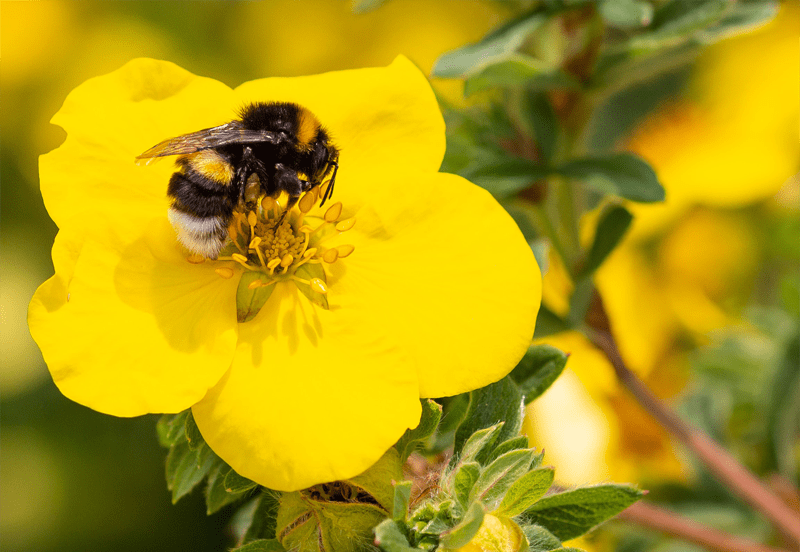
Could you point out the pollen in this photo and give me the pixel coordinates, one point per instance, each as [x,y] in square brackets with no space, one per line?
[286,245]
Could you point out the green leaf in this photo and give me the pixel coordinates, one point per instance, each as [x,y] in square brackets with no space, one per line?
[216,495]
[454,410]
[540,120]
[478,441]
[549,323]
[621,174]
[515,443]
[171,428]
[250,301]
[495,480]
[187,467]
[464,479]
[614,222]
[377,480]
[433,519]
[518,70]
[570,514]
[626,13]
[537,370]
[402,495]
[745,17]
[390,537]
[235,483]
[677,21]
[783,413]
[308,272]
[416,438]
[462,533]
[309,525]
[263,520]
[494,47]
[263,545]
[503,175]
[581,300]
[193,436]
[501,401]
[540,539]
[526,491]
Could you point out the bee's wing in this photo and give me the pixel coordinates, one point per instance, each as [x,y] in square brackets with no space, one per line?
[229,133]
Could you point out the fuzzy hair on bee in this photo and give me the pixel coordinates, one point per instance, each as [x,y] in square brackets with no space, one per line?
[276,147]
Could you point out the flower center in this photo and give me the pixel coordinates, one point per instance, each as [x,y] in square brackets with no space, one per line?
[274,244]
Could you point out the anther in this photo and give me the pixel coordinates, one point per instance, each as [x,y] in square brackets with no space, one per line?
[318,285]
[224,272]
[345,250]
[273,264]
[255,284]
[267,203]
[306,202]
[254,242]
[330,256]
[196,258]
[346,224]
[287,260]
[333,212]
[309,252]
[252,219]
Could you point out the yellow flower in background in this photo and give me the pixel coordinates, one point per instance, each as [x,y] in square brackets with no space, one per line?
[733,140]
[438,294]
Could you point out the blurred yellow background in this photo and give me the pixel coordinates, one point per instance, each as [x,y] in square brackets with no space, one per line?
[726,150]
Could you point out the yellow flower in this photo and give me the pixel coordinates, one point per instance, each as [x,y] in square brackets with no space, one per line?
[733,140]
[497,534]
[438,295]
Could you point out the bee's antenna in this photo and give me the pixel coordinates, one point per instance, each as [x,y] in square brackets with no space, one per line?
[329,189]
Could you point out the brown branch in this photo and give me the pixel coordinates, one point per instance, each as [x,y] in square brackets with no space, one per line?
[719,462]
[675,525]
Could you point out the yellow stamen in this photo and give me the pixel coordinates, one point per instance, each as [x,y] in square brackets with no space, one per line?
[254,242]
[333,212]
[306,202]
[318,285]
[225,272]
[287,260]
[196,258]
[272,265]
[255,284]
[310,252]
[345,250]
[330,256]
[346,224]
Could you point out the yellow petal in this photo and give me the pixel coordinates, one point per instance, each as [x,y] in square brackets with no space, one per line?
[450,270]
[379,118]
[312,395]
[113,118]
[133,329]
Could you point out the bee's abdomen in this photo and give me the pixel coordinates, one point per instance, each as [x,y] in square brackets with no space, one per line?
[200,212]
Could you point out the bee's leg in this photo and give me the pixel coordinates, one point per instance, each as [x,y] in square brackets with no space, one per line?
[292,202]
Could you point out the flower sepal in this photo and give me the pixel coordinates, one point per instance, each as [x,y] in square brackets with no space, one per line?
[251,296]
[339,515]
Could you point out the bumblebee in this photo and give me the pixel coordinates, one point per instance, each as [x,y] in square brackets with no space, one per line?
[272,148]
